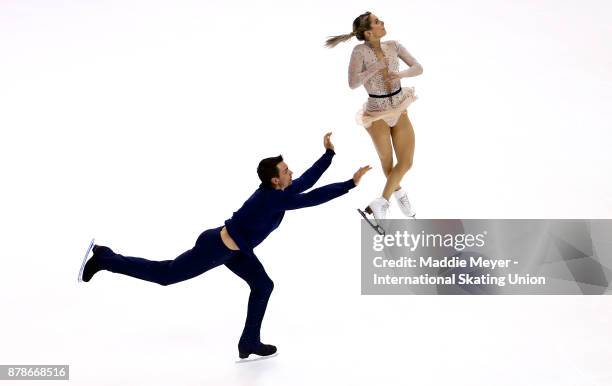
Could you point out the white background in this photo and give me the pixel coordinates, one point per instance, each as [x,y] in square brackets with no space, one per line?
[141,123]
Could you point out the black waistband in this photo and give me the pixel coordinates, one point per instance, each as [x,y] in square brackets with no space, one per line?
[387,95]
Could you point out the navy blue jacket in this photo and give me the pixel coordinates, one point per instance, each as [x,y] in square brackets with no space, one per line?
[264,210]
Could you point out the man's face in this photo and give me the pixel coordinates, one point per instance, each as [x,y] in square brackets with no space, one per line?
[284,176]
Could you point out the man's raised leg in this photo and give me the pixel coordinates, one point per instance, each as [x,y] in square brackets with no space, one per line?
[207,253]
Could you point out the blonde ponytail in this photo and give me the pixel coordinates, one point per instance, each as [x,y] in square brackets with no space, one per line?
[333,41]
[360,25]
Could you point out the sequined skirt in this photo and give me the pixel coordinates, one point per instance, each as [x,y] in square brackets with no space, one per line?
[388,109]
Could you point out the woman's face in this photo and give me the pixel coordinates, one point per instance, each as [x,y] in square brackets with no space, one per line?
[377,28]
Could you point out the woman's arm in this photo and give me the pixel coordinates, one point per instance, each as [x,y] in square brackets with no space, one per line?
[356,76]
[415,67]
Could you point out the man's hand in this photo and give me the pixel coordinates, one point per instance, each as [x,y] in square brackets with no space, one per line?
[359,173]
[327,141]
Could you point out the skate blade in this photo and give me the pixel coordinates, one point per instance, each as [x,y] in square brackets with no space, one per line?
[256,358]
[80,277]
[374,226]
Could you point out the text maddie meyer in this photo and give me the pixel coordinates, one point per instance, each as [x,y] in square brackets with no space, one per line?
[443,262]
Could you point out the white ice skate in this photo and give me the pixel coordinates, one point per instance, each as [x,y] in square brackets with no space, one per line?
[404,203]
[85,258]
[379,208]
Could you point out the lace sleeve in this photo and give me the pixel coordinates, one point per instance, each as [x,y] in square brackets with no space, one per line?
[356,74]
[415,67]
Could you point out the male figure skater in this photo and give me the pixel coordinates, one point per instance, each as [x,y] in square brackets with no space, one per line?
[232,244]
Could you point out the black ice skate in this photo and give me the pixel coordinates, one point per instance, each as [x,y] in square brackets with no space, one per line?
[264,351]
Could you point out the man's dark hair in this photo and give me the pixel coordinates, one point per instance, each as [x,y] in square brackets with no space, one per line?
[267,170]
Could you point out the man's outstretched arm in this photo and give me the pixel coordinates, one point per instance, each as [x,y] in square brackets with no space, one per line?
[288,200]
[312,175]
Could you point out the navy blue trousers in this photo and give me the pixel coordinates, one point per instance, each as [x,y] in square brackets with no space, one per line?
[208,252]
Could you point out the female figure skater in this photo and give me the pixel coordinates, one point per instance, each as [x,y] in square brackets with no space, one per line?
[375,65]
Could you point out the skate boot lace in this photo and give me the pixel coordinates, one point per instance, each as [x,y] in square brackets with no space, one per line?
[385,208]
[404,201]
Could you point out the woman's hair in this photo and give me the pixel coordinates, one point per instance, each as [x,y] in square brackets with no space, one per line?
[266,170]
[360,25]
